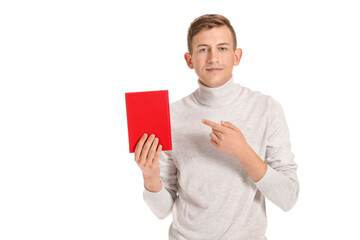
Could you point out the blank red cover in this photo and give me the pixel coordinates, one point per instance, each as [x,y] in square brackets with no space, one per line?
[148,112]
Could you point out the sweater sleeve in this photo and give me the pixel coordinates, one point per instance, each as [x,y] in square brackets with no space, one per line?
[280,183]
[161,203]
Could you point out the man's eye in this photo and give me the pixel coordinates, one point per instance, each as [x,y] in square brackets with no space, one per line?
[223,49]
[203,50]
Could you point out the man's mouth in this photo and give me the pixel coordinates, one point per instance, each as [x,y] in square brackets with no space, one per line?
[213,69]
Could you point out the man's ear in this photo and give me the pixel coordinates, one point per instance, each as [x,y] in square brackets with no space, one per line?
[188,60]
[237,56]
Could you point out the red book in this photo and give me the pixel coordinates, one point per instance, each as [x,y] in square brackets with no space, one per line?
[148,112]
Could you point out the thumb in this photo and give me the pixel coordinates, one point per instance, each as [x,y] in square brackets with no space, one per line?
[229,125]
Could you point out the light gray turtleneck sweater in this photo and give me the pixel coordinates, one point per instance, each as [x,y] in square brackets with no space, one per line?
[208,192]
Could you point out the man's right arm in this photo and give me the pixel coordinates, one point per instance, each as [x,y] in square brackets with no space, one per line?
[161,202]
[158,196]
[152,184]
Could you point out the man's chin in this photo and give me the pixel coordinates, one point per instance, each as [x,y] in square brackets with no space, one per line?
[213,82]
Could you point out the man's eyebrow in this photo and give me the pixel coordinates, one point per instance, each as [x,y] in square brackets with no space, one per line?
[206,45]
[224,43]
[202,45]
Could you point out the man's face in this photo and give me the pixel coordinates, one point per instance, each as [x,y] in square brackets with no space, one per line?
[213,56]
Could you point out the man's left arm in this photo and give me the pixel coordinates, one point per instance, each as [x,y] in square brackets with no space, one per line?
[276,176]
[280,183]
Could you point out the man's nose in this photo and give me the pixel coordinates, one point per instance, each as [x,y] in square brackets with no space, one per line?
[213,56]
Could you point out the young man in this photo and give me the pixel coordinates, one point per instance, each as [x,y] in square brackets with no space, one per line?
[231,149]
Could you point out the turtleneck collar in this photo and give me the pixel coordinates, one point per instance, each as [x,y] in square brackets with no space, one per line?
[219,96]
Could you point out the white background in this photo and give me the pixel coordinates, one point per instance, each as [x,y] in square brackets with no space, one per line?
[66,172]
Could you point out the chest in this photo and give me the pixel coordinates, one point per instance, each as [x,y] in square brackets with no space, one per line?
[191,138]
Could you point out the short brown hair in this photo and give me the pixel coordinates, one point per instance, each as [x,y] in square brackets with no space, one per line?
[208,21]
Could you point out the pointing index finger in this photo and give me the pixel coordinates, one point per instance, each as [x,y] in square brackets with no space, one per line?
[213,125]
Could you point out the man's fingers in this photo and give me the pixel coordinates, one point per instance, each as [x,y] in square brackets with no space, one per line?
[214,137]
[217,132]
[139,146]
[145,149]
[229,125]
[157,155]
[213,125]
[152,150]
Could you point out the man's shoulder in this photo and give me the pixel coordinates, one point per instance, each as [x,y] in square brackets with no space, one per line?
[260,98]
[253,96]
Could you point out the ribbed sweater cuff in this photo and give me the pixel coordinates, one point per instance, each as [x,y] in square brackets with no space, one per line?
[154,193]
[160,202]
[266,183]
[156,198]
